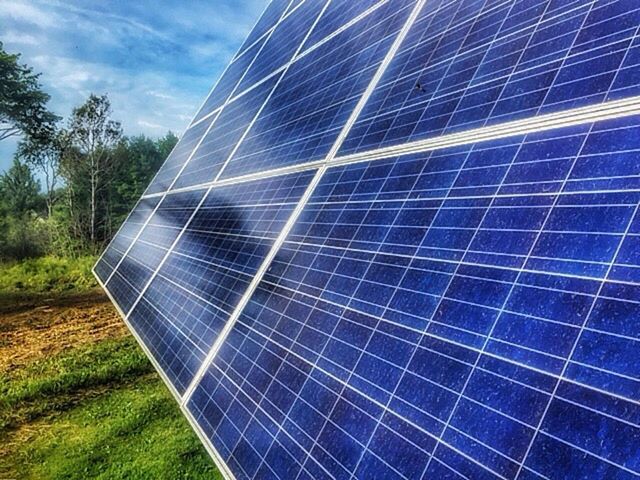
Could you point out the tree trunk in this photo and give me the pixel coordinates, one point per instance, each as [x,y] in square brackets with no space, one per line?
[93,204]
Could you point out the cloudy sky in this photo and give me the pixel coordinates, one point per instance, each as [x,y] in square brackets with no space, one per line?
[155,59]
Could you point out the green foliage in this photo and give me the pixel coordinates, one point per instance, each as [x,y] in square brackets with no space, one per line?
[20,192]
[22,102]
[47,274]
[138,158]
[23,237]
[44,154]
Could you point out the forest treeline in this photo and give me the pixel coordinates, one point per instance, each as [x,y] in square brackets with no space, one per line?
[72,181]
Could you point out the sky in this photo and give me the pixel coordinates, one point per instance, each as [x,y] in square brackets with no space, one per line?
[156,60]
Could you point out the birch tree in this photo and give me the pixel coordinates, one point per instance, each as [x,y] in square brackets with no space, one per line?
[93,135]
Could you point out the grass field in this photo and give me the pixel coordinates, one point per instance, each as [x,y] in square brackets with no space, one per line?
[78,398]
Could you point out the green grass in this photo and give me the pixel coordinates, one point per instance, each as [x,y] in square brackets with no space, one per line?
[48,385]
[47,275]
[95,411]
[130,433]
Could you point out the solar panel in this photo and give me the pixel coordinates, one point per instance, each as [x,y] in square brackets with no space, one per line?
[401,240]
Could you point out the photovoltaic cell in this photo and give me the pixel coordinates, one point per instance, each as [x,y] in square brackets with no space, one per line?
[228,83]
[274,11]
[196,289]
[178,157]
[163,227]
[456,308]
[337,15]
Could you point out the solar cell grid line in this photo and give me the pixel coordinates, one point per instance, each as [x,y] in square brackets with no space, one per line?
[494,94]
[272,13]
[199,127]
[209,388]
[566,364]
[578,116]
[138,231]
[229,82]
[487,52]
[275,380]
[573,42]
[140,261]
[234,227]
[177,151]
[339,13]
[308,47]
[197,429]
[179,156]
[216,116]
[317,93]
[404,371]
[349,123]
[400,209]
[209,167]
[624,83]
[314,441]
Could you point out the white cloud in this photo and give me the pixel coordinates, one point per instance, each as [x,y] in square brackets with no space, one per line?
[27,13]
[155,60]
[18,38]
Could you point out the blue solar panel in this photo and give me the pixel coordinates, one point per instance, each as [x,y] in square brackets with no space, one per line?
[445,292]
[229,81]
[467,64]
[283,42]
[219,142]
[337,15]
[178,157]
[310,106]
[138,265]
[273,13]
[125,237]
[462,307]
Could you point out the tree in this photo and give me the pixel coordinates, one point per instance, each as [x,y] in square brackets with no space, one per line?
[22,233]
[19,190]
[165,145]
[44,154]
[22,102]
[93,135]
[138,159]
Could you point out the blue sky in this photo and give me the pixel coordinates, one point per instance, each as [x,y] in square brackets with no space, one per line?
[155,59]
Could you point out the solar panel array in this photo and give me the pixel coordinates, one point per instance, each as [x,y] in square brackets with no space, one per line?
[401,240]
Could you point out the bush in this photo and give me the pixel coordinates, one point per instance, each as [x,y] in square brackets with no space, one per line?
[47,274]
[24,237]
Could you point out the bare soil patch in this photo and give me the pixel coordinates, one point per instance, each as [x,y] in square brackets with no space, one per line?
[34,327]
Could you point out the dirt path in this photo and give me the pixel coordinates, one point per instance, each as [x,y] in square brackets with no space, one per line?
[31,329]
